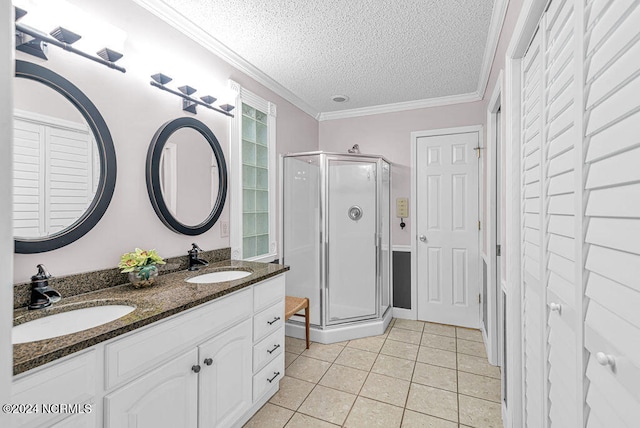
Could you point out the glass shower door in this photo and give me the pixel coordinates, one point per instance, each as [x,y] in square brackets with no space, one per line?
[352,271]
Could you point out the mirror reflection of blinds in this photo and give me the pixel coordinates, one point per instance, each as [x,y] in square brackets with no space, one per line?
[55,174]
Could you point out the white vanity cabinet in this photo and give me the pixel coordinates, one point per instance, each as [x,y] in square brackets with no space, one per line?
[211,366]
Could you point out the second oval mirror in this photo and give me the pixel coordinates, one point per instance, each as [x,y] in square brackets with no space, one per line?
[186,176]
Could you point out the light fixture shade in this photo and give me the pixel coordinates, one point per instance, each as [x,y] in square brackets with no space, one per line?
[187,90]
[161,78]
[189,106]
[208,99]
[109,55]
[65,36]
[19,13]
[31,46]
[227,107]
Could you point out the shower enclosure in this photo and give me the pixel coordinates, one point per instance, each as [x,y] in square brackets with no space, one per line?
[336,239]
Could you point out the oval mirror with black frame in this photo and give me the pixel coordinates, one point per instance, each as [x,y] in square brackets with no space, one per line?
[186,176]
[64,161]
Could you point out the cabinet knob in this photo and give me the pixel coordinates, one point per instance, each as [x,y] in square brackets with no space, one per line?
[274,320]
[208,361]
[605,359]
[556,307]
[196,368]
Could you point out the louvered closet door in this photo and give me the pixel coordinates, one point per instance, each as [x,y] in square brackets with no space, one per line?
[559,168]
[533,288]
[612,147]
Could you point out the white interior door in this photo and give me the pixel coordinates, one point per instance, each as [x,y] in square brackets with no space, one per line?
[447,229]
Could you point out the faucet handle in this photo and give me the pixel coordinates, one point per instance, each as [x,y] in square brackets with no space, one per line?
[195,247]
[42,274]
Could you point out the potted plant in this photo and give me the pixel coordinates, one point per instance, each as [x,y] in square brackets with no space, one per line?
[141,267]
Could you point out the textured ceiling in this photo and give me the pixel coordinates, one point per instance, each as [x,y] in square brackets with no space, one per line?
[374,51]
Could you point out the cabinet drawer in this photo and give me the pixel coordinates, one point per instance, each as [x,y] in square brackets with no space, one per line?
[268,321]
[268,377]
[268,349]
[140,351]
[268,292]
[70,381]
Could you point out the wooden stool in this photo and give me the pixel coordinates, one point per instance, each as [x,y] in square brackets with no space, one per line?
[296,304]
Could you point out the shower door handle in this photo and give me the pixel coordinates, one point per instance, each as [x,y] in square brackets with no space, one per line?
[423,238]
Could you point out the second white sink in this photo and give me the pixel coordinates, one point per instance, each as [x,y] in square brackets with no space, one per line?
[220,276]
[67,322]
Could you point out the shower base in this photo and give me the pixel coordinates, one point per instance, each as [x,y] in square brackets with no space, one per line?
[340,332]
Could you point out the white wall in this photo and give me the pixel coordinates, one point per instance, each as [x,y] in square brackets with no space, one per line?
[134,110]
[6,227]
[390,135]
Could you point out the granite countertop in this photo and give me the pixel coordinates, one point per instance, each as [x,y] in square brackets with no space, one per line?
[170,295]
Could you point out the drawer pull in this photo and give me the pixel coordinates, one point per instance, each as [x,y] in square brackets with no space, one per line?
[196,368]
[208,361]
[275,375]
[274,320]
[556,307]
[605,359]
[271,351]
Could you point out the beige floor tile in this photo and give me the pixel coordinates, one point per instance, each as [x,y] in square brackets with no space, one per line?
[438,377]
[440,329]
[469,334]
[292,392]
[477,365]
[344,378]
[432,401]
[270,416]
[369,413]
[438,341]
[388,329]
[478,413]
[403,335]
[478,386]
[437,357]
[328,404]
[409,325]
[471,348]
[293,345]
[413,419]
[289,357]
[404,350]
[371,344]
[356,358]
[308,369]
[323,352]
[393,367]
[387,389]
[300,420]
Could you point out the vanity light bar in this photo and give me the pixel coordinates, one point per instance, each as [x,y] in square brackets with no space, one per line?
[62,38]
[189,103]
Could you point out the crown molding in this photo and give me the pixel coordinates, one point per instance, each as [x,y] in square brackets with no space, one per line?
[200,36]
[495,28]
[402,106]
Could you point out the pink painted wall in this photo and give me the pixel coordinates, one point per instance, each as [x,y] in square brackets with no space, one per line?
[389,135]
[133,111]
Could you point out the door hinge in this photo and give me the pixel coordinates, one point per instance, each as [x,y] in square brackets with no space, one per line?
[479,225]
[477,149]
[498,250]
[479,298]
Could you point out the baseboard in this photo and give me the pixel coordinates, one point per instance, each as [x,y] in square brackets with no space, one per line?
[406,314]
[339,333]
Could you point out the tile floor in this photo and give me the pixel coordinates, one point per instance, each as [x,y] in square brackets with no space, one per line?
[417,374]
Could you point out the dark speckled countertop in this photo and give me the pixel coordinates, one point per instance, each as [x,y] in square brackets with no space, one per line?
[170,295]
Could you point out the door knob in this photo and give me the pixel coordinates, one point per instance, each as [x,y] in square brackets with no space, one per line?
[605,359]
[423,238]
[557,307]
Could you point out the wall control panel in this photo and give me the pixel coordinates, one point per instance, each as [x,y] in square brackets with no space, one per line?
[402,207]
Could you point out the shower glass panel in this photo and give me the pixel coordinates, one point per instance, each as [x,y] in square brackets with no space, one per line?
[384,227]
[351,224]
[301,214]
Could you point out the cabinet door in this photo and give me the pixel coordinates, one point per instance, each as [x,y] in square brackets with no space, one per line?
[164,397]
[225,379]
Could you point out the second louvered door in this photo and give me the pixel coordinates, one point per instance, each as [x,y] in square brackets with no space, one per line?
[559,201]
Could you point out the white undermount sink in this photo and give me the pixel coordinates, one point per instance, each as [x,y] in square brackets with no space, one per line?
[67,322]
[219,276]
